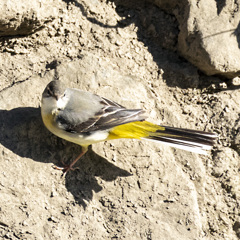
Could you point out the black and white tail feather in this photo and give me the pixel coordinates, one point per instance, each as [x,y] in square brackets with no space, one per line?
[186,139]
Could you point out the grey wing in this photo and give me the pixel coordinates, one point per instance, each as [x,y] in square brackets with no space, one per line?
[108,115]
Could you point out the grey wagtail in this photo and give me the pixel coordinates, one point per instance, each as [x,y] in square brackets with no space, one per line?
[85,118]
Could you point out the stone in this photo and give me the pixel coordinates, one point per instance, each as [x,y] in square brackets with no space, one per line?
[25,17]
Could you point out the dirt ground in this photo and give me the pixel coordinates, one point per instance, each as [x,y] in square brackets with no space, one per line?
[122,189]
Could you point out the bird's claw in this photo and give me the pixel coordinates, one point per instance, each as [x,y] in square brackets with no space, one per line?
[64,169]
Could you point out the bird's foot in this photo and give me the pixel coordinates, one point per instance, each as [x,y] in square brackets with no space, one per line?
[65,169]
[69,167]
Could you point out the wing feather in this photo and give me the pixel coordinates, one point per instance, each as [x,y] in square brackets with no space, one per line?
[108,114]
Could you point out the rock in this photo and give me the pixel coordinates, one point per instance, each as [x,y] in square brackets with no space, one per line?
[209,34]
[125,189]
[208,38]
[25,17]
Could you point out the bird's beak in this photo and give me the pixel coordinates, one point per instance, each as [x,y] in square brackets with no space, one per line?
[57,96]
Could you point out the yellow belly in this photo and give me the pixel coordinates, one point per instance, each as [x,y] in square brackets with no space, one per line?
[78,138]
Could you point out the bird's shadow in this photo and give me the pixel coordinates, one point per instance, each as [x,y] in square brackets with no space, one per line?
[22,132]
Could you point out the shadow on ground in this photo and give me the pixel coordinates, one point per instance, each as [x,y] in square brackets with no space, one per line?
[159,32]
[22,132]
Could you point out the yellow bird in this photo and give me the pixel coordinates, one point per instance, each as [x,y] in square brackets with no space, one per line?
[85,118]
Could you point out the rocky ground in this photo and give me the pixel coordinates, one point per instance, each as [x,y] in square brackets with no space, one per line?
[154,55]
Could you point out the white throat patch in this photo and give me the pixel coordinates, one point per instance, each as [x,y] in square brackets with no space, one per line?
[62,102]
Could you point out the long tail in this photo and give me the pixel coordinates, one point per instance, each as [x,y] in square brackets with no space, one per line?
[190,140]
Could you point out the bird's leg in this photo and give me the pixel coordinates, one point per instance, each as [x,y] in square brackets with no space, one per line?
[70,166]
